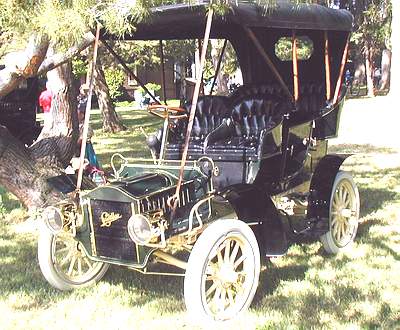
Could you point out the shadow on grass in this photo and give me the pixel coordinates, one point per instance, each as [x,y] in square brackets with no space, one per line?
[360,148]
[20,274]
[371,199]
[151,288]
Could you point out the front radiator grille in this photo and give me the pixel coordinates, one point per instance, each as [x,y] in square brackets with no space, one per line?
[159,200]
[112,241]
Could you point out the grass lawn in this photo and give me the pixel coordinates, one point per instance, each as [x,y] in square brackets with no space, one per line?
[304,289]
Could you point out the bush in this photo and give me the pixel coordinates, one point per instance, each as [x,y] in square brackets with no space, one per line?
[115,80]
[151,87]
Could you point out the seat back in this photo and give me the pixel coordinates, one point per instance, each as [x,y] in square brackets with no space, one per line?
[210,112]
[253,115]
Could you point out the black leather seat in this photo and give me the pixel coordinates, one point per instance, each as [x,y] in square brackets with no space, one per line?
[210,113]
[256,111]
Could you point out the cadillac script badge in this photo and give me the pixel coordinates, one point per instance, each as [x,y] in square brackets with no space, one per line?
[108,218]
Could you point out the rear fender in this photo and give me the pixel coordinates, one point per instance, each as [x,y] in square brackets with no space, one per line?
[321,185]
[254,207]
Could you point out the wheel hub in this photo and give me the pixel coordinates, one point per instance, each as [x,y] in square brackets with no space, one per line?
[227,276]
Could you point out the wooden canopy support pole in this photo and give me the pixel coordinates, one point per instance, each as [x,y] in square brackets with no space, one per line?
[128,70]
[342,66]
[87,112]
[173,202]
[295,68]
[327,68]
[163,71]
[267,60]
[218,68]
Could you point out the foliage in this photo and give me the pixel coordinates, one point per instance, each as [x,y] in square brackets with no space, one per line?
[115,80]
[151,87]
[79,66]
[284,47]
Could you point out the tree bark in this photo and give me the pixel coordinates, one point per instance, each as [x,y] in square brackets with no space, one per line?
[369,72]
[49,154]
[22,65]
[111,122]
[55,60]
[24,175]
[395,67]
[58,139]
[385,68]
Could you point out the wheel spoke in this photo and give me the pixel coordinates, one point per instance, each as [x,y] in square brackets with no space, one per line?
[239,261]
[227,251]
[79,266]
[222,301]
[71,266]
[89,264]
[220,259]
[217,296]
[234,252]
[211,289]
[230,297]
[66,258]
[345,195]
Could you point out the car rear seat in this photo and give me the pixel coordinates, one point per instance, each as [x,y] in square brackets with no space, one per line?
[252,117]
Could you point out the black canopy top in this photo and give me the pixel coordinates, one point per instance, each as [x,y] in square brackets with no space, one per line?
[184,21]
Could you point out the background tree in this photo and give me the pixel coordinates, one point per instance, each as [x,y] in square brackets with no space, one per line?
[57,24]
[395,42]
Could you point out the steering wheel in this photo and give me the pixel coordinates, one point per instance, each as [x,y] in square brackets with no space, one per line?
[166,111]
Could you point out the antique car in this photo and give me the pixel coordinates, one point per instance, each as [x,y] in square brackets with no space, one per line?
[18,110]
[234,179]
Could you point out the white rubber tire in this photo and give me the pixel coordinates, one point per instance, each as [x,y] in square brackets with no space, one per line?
[345,199]
[52,271]
[224,236]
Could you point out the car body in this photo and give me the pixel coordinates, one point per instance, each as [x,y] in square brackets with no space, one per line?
[239,177]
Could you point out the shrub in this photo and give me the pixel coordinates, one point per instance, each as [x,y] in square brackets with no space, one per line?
[115,80]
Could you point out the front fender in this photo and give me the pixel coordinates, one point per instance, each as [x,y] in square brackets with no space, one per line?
[253,206]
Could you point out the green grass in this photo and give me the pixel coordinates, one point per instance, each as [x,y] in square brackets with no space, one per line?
[359,288]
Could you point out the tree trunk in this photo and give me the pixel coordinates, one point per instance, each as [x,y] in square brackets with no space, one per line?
[222,79]
[385,68]
[395,68]
[49,154]
[23,175]
[111,122]
[359,69]
[24,171]
[58,139]
[369,72]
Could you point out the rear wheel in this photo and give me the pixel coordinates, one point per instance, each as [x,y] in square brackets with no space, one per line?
[65,264]
[343,214]
[222,272]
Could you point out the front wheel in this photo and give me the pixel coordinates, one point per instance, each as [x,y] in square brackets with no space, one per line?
[343,214]
[222,271]
[64,263]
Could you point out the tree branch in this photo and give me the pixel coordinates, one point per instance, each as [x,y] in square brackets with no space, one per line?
[23,64]
[60,58]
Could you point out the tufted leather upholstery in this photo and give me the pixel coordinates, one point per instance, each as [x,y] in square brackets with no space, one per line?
[210,112]
[254,112]
[252,115]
